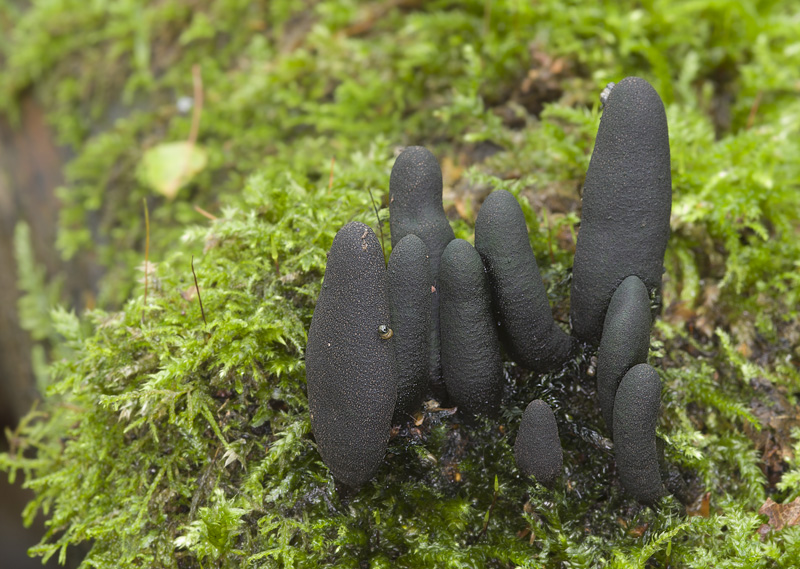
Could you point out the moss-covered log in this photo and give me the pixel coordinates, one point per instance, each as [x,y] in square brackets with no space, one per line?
[175,442]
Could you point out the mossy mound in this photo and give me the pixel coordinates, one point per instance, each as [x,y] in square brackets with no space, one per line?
[167,441]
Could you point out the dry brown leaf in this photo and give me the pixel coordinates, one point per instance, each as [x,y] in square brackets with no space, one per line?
[463,205]
[701,507]
[451,172]
[780,516]
[189,294]
[638,531]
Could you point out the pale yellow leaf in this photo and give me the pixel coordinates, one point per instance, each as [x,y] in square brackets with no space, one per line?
[169,166]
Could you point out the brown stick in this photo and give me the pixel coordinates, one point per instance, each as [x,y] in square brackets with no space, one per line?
[146,253]
[753,110]
[330,178]
[204,213]
[376,13]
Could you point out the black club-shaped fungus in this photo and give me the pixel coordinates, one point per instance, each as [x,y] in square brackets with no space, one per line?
[537,450]
[352,386]
[410,305]
[627,200]
[519,297]
[625,341]
[471,364]
[415,207]
[636,410]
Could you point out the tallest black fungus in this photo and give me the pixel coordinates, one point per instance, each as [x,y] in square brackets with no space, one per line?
[627,200]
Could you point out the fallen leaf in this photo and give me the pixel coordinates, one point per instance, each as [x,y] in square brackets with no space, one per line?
[451,172]
[638,531]
[763,531]
[778,418]
[780,516]
[189,294]
[463,205]
[701,507]
[169,166]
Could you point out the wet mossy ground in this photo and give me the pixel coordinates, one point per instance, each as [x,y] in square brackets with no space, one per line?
[164,440]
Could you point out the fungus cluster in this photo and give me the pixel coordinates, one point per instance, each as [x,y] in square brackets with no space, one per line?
[435,319]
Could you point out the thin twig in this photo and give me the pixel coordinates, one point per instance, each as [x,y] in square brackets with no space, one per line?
[380,224]
[753,110]
[376,13]
[146,253]
[330,178]
[204,213]
[197,287]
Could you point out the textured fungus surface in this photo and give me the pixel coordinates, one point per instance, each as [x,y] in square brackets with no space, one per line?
[625,342]
[410,304]
[626,205]
[415,207]
[519,297]
[349,365]
[636,410]
[537,450]
[471,364]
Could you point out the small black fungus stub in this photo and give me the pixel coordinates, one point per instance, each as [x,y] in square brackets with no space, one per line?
[410,304]
[349,365]
[537,450]
[636,410]
[471,364]
[519,297]
[627,200]
[625,342]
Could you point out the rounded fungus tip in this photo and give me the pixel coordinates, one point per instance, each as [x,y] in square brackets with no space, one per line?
[627,199]
[471,363]
[410,280]
[625,341]
[519,297]
[350,370]
[537,450]
[636,409]
[415,208]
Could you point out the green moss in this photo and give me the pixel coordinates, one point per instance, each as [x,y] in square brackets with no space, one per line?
[176,442]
